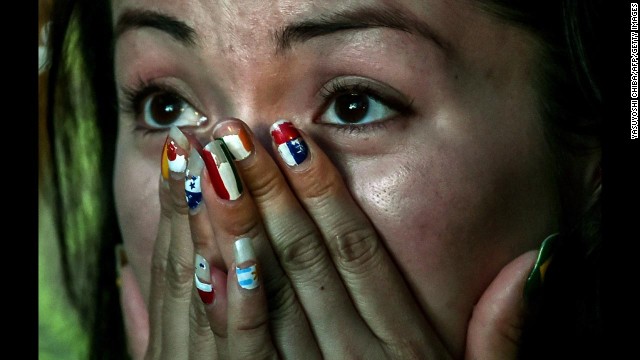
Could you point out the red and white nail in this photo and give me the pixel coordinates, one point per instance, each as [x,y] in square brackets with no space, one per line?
[203,280]
[291,146]
[174,154]
[222,171]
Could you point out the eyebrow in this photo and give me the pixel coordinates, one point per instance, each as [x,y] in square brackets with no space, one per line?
[133,19]
[355,19]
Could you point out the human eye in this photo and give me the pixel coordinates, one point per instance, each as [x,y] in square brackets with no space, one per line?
[158,107]
[356,102]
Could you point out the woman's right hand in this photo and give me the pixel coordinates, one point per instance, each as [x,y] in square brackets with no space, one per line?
[332,289]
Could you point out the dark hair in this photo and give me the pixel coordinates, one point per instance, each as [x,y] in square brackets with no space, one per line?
[81,125]
[565,315]
[564,320]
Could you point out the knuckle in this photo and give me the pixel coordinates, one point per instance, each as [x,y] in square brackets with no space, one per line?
[199,323]
[266,186]
[179,271]
[179,202]
[356,250]
[302,254]
[320,191]
[282,299]
[254,325]
[158,267]
[246,223]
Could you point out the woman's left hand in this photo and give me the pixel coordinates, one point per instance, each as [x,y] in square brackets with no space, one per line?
[299,216]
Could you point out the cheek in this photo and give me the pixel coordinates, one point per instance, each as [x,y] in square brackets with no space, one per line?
[452,218]
[136,179]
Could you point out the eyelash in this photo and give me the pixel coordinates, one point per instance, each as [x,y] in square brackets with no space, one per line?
[337,88]
[134,96]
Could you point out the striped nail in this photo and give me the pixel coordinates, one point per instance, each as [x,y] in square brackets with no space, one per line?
[246,267]
[222,171]
[239,144]
[291,145]
[192,189]
[536,277]
[203,280]
[174,154]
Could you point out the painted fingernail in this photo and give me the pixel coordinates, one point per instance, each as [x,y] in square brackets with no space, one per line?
[291,146]
[192,189]
[174,154]
[222,171]
[246,267]
[536,277]
[239,143]
[203,280]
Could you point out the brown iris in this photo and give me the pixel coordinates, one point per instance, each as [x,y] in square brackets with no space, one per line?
[165,108]
[352,108]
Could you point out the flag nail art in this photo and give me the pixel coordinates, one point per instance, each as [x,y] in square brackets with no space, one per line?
[536,277]
[222,171]
[192,189]
[203,280]
[291,146]
[248,275]
[239,144]
[174,156]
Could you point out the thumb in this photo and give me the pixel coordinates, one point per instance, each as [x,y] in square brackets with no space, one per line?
[496,324]
[134,310]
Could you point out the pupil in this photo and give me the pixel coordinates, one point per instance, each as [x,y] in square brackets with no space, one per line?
[165,108]
[352,108]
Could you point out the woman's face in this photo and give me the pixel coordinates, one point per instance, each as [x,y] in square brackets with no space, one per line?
[448,159]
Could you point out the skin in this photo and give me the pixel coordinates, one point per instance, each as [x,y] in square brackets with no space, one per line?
[456,190]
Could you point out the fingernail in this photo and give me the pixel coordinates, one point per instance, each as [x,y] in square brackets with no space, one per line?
[203,280]
[239,143]
[174,154]
[222,171]
[192,189]
[291,145]
[121,261]
[536,277]
[246,267]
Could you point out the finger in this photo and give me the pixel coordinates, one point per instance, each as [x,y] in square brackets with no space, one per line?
[301,252]
[202,344]
[248,325]
[134,310]
[159,265]
[496,324]
[362,261]
[205,247]
[234,215]
[180,258]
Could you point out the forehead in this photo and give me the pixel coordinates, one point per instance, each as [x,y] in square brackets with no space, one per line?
[249,23]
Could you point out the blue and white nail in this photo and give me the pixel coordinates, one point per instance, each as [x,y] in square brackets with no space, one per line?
[192,189]
[246,267]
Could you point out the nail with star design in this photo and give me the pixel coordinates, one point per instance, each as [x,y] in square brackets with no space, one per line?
[246,266]
[535,280]
[192,189]
[203,281]
[174,154]
[291,146]
[222,171]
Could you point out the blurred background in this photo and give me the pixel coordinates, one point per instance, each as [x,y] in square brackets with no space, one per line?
[59,332]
